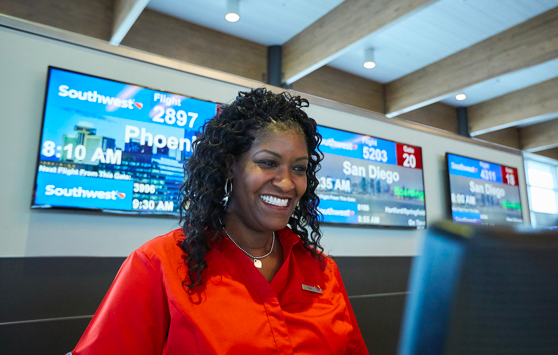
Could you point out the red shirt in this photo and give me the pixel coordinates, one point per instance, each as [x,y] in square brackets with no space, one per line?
[148,311]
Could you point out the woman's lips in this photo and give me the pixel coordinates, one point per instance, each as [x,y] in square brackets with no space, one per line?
[276,201]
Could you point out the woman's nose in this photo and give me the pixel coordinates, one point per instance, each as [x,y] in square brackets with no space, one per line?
[284,182]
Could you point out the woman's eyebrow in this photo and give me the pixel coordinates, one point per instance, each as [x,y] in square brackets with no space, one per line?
[305,157]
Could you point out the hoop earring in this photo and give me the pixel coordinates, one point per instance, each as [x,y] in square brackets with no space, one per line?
[227,193]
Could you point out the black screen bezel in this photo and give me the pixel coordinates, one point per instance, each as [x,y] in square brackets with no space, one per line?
[450,211]
[380,226]
[91,209]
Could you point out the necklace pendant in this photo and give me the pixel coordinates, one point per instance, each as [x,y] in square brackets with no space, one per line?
[258,263]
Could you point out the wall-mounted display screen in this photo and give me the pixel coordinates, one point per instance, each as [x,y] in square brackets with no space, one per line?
[483,192]
[370,181]
[114,146]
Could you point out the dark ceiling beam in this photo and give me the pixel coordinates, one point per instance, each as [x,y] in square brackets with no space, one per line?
[532,42]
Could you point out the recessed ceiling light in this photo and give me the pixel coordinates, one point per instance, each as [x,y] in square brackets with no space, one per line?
[460,97]
[369,61]
[233,10]
[232,17]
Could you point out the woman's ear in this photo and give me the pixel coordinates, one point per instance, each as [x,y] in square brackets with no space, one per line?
[229,168]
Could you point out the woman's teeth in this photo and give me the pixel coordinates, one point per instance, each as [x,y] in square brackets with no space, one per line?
[275,201]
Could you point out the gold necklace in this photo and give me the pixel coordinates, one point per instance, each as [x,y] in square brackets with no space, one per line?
[257,261]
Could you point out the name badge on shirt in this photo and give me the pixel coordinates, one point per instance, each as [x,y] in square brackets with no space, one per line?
[315,289]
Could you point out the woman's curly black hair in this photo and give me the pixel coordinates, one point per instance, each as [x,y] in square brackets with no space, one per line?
[225,137]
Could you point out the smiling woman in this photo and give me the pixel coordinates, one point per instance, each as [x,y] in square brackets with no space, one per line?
[264,146]
[268,182]
[246,272]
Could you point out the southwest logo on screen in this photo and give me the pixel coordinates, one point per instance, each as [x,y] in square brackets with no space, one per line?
[333,212]
[463,167]
[332,143]
[79,192]
[93,96]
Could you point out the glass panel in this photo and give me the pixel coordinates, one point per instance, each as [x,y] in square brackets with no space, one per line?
[545,220]
[540,178]
[543,200]
[531,164]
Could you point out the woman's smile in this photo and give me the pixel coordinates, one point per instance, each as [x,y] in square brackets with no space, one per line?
[275,201]
[269,180]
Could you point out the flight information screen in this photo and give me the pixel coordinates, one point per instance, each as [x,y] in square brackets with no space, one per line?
[114,146]
[370,181]
[483,192]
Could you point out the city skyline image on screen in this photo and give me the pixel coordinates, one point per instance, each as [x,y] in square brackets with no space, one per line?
[114,146]
[370,181]
[482,192]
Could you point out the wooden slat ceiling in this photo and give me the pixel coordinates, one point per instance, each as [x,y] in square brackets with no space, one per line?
[527,44]
[502,53]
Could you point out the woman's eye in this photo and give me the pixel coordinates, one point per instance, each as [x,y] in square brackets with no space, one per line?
[268,163]
[301,168]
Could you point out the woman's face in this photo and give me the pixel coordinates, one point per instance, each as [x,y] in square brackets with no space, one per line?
[269,180]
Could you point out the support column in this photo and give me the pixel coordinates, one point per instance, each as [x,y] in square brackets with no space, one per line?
[275,66]
[462,122]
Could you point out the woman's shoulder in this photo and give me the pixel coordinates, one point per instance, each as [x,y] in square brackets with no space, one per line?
[164,246]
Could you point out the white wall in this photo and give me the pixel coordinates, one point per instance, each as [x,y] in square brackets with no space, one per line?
[24,59]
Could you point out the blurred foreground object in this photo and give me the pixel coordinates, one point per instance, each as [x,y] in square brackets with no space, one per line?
[483,290]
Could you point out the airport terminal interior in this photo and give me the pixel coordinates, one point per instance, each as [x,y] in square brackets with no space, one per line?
[429,111]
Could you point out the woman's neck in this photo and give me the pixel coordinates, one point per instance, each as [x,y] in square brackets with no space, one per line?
[256,241]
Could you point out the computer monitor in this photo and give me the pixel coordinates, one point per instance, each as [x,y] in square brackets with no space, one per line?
[483,290]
